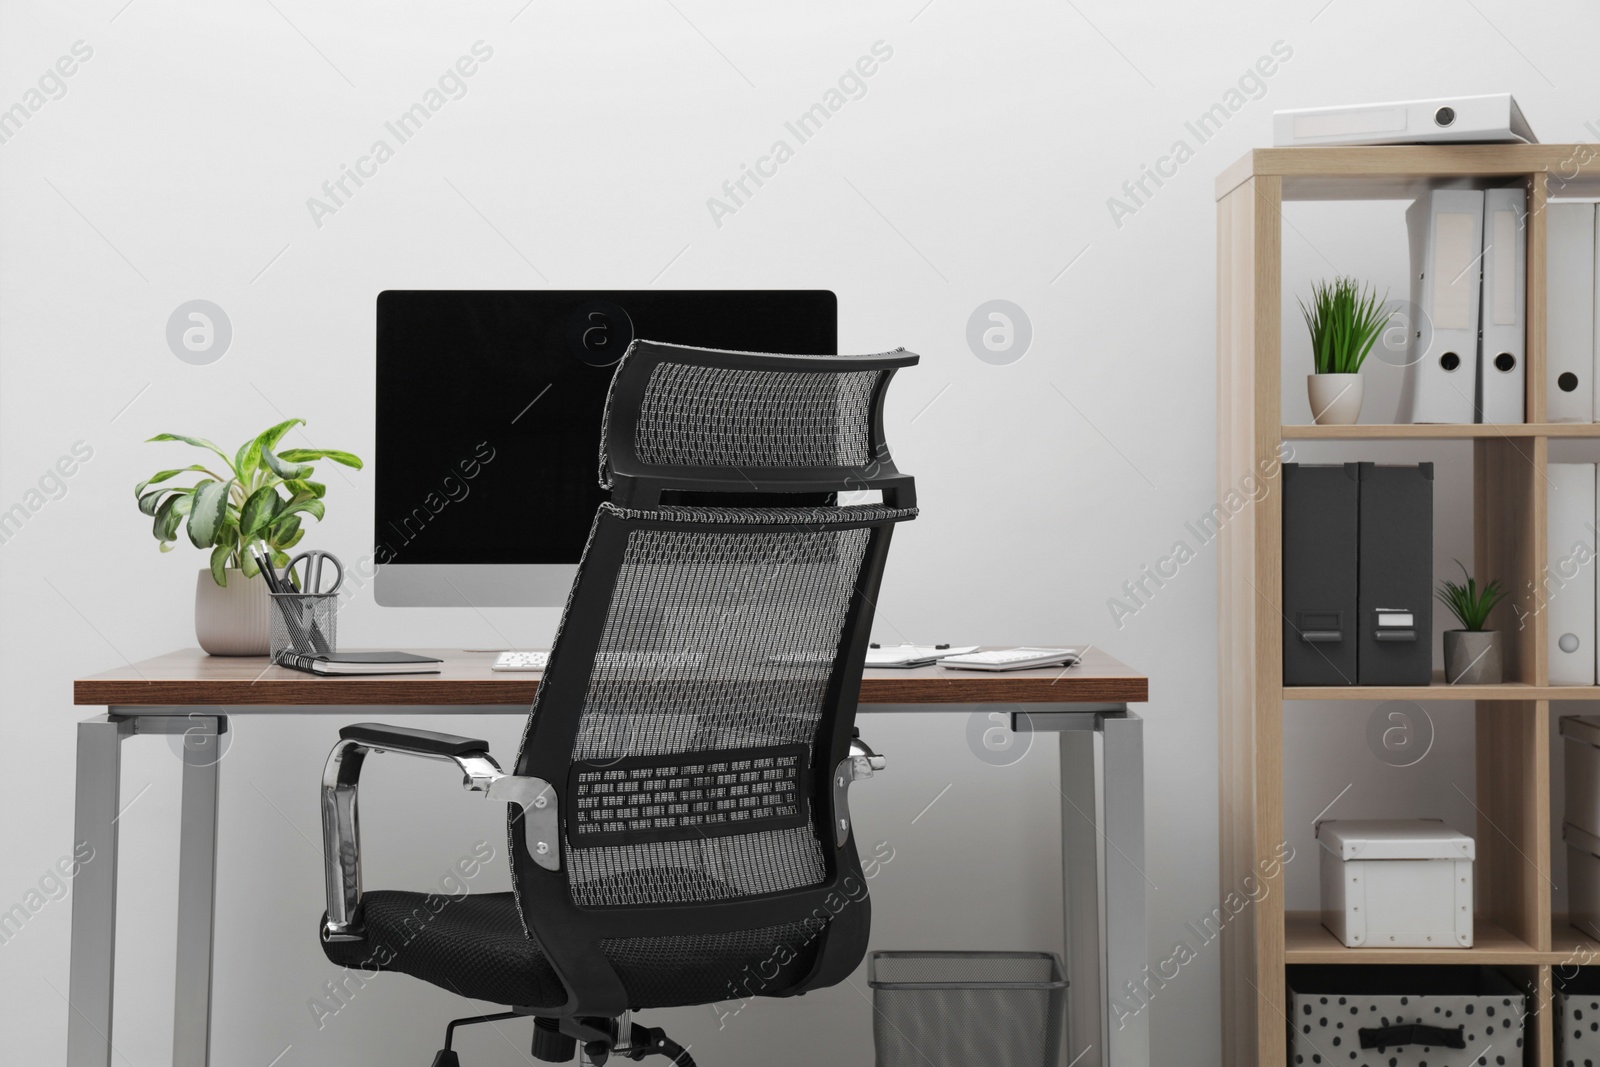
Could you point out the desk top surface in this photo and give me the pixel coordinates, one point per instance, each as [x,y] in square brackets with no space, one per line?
[190,678]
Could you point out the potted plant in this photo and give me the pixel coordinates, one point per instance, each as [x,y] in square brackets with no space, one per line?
[258,496]
[1345,320]
[1471,654]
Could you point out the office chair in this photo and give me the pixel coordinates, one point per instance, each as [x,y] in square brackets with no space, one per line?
[678,819]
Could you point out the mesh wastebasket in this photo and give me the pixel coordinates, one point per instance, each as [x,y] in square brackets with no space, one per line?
[967,1009]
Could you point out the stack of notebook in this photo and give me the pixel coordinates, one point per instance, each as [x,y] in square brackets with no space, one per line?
[347,663]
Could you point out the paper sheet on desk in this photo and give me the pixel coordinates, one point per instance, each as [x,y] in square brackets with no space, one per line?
[901,655]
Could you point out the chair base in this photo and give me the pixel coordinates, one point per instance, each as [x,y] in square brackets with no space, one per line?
[556,1040]
[550,1045]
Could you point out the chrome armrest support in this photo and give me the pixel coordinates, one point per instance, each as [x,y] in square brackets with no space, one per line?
[861,763]
[341,827]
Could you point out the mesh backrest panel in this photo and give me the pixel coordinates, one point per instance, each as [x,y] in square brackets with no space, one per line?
[714,641]
[712,868]
[723,417]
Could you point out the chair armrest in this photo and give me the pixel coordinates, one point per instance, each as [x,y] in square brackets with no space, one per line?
[861,763]
[860,750]
[341,829]
[416,742]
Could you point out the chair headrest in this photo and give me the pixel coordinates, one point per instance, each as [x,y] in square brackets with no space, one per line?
[708,420]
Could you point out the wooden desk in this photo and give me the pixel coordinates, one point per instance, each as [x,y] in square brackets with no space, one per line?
[193,694]
[191,678]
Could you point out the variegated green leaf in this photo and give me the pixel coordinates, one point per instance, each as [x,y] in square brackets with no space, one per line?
[207,515]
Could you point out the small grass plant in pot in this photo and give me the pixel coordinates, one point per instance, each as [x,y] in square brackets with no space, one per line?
[1471,654]
[255,498]
[1345,320]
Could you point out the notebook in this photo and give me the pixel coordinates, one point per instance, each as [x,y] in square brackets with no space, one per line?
[912,655]
[341,663]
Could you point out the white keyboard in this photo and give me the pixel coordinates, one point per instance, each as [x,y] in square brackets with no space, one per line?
[1012,659]
[521,661]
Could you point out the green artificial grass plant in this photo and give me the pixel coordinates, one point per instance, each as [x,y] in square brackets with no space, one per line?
[1345,320]
[1468,602]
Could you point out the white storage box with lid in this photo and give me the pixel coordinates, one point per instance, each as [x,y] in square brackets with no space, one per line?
[1396,883]
[1581,749]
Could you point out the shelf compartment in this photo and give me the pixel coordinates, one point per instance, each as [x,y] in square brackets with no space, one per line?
[1571,947]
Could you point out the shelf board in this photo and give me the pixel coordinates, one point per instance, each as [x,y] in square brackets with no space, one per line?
[1306,940]
[1439,431]
[1401,172]
[1440,690]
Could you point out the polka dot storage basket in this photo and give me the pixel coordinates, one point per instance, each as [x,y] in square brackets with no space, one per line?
[1577,1022]
[1402,1016]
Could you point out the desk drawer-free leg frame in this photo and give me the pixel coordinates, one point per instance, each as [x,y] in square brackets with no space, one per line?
[94,900]
[1102,826]
[1103,881]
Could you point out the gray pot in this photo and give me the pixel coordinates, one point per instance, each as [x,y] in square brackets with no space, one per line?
[1472,657]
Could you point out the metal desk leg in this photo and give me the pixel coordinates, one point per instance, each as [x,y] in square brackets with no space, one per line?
[94,891]
[1127,1035]
[1080,863]
[197,890]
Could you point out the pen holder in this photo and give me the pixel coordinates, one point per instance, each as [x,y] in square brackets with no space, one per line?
[303,623]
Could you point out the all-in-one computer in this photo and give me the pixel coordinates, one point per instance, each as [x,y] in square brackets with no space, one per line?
[488,424]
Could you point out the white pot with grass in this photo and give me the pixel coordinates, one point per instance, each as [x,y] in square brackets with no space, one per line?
[1472,653]
[1345,320]
[1335,398]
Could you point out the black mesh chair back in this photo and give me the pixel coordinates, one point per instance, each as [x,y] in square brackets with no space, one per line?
[701,693]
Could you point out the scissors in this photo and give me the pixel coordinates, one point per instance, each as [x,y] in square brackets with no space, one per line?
[312,580]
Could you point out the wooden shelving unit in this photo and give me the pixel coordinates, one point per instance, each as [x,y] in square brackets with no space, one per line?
[1514,929]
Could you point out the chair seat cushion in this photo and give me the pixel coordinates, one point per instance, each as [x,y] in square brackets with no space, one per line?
[472,945]
[475,946]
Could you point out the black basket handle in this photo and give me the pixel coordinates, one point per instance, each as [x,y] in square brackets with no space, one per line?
[1381,1037]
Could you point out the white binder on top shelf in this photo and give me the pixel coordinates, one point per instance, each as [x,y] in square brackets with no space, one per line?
[1570,312]
[1490,118]
[1569,582]
[1502,370]
[1446,231]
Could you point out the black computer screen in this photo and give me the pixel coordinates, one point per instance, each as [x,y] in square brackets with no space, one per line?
[490,402]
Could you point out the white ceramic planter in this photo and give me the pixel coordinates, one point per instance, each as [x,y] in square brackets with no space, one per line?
[231,620]
[1335,398]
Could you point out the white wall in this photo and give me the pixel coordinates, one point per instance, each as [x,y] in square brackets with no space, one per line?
[978,165]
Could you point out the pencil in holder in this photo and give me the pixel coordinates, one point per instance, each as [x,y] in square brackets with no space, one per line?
[302,623]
